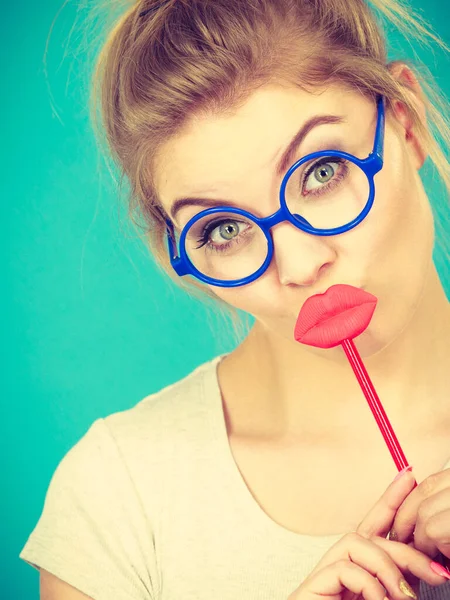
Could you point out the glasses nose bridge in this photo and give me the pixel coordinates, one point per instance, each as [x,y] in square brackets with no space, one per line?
[279,216]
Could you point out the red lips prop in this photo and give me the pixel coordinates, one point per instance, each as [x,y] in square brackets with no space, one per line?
[343,312]
[336,317]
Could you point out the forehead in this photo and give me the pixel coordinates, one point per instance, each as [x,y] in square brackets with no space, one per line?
[214,154]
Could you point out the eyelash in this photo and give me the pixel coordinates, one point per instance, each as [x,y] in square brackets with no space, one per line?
[204,236]
[323,161]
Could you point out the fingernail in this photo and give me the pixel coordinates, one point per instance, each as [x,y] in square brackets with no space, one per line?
[402,472]
[439,569]
[392,536]
[407,589]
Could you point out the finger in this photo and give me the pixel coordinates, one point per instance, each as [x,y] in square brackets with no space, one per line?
[410,561]
[406,518]
[380,518]
[372,558]
[432,534]
[340,576]
[381,566]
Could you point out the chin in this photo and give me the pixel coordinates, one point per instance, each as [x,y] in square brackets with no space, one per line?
[373,341]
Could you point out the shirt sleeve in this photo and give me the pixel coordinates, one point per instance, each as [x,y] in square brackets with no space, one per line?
[93,532]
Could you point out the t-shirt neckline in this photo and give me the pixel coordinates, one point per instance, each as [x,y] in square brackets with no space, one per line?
[241,494]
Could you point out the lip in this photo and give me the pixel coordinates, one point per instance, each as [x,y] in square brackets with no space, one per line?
[342,312]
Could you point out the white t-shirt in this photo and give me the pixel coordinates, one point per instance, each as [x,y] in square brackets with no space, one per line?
[150,504]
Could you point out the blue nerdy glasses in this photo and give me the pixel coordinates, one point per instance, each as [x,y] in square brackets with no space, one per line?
[324,193]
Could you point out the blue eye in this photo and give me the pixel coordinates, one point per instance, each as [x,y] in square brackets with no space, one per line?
[221,233]
[322,174]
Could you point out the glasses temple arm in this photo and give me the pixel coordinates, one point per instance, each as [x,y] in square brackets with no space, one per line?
[171,239]
[378,146]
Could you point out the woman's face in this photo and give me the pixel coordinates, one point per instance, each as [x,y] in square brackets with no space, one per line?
[233,157]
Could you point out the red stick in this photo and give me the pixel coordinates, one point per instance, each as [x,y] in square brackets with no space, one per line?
[375,404]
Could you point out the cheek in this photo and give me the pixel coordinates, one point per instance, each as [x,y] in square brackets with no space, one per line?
[252,298]
[264,298]
[400,214]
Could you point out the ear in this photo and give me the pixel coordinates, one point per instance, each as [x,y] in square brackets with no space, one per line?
[405,76]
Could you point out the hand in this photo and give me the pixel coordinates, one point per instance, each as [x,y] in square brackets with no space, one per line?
[424,516]
[364,563]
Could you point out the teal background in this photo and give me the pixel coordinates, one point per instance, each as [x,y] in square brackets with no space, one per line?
[90,324]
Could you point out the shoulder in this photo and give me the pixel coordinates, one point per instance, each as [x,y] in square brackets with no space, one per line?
[143,446]
[168,409]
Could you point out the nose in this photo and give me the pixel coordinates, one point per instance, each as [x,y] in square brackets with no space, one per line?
[299,257]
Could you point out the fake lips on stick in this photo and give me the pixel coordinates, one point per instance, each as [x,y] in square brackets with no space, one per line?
[336,317]
[342,313]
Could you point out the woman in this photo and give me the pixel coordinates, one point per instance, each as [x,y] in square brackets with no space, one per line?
[256,476]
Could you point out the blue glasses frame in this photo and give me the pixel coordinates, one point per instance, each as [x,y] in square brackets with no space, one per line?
[371,165]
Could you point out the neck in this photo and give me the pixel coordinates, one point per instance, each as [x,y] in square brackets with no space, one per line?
[291,390]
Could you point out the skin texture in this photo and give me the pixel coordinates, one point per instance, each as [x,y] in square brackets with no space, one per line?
[53,588]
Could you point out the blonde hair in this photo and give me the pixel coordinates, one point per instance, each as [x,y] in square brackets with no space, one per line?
[189,56]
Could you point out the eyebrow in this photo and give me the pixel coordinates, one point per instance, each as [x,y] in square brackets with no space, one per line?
[282,164]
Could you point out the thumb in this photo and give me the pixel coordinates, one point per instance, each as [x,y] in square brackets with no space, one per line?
[380,518]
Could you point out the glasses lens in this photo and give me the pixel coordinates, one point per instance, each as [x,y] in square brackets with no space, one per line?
[328,192]
[226,246]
